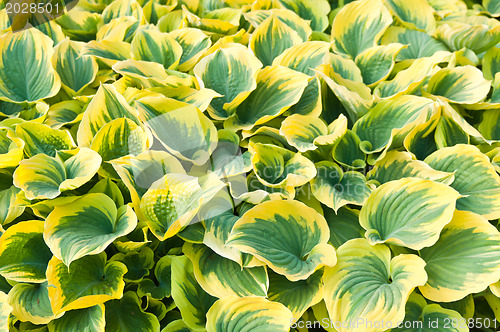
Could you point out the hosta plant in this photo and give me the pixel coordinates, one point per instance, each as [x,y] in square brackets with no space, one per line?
[251,165]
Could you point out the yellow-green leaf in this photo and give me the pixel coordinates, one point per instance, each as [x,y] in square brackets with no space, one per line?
[408,212]
[377,62]
[89,281]
[482,195]
[104,223]
[463,85]
[271,38]
[153,45]
[416,14]
[277,89]
[359,25]
[193,302]
[16,262]
[76,71]
[334,188]
[43,176]
[249,313]
[468,243]
[231,71]
[107,104]
[296,238]
[366,285]
[91,319]
[27,76]
[31,303]
[222,277]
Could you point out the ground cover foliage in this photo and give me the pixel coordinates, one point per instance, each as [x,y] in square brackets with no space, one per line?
[251,165]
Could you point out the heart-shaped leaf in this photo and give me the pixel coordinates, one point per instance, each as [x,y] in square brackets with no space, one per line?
[295,244]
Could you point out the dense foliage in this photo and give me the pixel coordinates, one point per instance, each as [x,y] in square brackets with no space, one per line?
[251,165]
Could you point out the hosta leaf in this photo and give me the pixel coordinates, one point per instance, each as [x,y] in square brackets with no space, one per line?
[249,313]
[222,277]
[89,281]
[279,167]
[23,253]
[5,310]
[347,152]
[65,112]
[138,263]
[491,63]
[303,57]
[310,101]
[108,51]
[344,67]
[423,317]
[200,98]
[297,296]
[192,301]
[194,43]
[475,178]
[468,243]
[156,46]
[139,172]
[271,38]
[397,164]
[303,131]
[42,176]
[407,80]
[300,26]
[390,120]
[30,302]
[296,238]
[420,140]
[492,7]
[377,62]
[11,149]
[277,89]
[334,188]
[106,105]
[104,223]
[177,326]
[315,12]
[180,127]
[449,133]
[463,85]
[127,315]
[121,8]
[420,44]
[87,320]
[76,71]
[111,189]
[488,126]
[445,7]
[27,76]
[217,230]
[118,29]
[414,15]
[366,284]
[359,25]
[12,203]
[477,38]
[231,71]
[355,96]
[408,212]
[147,74]
[344,225]
[172,201]
[79,24]
[40,138]
[119,138]
[162,287]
